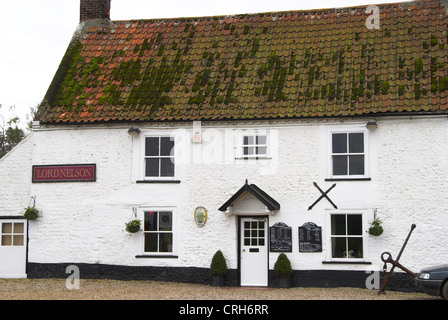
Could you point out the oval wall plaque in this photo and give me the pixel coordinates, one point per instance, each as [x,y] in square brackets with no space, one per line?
[200,216]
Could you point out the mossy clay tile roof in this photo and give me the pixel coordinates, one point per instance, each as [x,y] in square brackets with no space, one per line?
[299,64]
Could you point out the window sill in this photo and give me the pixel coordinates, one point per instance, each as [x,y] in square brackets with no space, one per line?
[346,262]
[348,179]
[253,158]
[152,256]
[12,217]
[157,181]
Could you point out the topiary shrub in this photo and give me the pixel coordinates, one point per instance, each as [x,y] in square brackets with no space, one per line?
[282,267]
[283,270]
[218,267]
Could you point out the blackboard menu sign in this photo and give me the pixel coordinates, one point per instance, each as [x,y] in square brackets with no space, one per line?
[280,238]
[310,238]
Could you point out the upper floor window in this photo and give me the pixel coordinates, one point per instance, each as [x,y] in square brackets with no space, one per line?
[254,145]
[348,150]
[159,157]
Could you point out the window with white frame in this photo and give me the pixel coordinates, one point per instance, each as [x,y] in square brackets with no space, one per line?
[347,236]
[254,145]
[158,231]
[159,159]
[12,234]
[348,150]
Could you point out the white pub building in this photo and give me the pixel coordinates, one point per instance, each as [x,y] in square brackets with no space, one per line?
[259,134]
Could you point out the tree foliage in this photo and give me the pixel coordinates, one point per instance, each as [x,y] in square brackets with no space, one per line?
[10,133]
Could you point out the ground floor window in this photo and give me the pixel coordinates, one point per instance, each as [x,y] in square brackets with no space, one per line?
[347,239]
[158,231]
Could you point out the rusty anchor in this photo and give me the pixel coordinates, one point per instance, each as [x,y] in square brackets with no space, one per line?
[387,258]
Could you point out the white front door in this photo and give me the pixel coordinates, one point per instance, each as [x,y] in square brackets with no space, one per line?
[13,241]
[253,251]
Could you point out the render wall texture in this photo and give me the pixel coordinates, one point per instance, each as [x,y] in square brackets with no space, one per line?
[85,222]
[15,178]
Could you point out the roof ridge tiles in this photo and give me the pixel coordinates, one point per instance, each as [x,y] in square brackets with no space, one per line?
[350,10]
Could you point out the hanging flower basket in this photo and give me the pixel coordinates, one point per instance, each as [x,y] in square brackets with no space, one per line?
[31,213]
[375,228]
[133,226]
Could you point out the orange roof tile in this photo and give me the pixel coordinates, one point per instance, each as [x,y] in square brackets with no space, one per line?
[315,63]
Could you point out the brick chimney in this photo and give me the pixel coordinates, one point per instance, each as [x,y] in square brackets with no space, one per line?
[94,9]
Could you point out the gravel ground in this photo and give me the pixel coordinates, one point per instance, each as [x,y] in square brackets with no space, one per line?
[55,289]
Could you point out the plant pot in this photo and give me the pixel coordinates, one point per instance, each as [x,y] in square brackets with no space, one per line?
[284,282]
[283,271]
[217,281]
[218,269]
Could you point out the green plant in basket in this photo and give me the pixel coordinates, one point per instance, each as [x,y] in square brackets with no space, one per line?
[375,228]
[133,226]
[31,213]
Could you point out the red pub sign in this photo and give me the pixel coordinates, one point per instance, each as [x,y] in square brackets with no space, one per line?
[64,173]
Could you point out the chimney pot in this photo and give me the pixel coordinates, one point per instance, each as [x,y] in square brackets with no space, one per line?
[94,9]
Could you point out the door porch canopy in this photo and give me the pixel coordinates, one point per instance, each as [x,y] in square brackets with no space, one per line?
[250,200]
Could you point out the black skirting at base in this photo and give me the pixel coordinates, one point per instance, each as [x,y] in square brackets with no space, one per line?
[300,278]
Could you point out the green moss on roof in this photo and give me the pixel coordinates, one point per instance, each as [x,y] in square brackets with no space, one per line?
[273,65]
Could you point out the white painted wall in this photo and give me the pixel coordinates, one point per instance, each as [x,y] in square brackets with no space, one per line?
[15,178]
[84,222]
